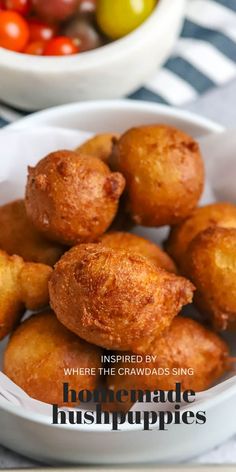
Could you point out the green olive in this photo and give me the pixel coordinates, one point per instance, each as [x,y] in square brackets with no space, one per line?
[116,18]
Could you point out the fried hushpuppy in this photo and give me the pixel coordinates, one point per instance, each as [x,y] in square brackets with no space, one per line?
[39,351]
[99,146]
[164,173]
[141,246]
[216,214]
[115,299]
[186,345]
[23,285]
[72,198]
[211,265]
[19,236]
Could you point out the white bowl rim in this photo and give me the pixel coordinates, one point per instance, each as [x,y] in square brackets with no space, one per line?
[223,390]
[93,58]
[120,104]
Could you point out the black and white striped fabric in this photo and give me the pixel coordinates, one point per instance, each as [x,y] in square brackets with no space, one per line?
[204,57]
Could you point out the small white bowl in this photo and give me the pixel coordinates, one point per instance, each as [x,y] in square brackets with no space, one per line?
[112,71]
[33,435]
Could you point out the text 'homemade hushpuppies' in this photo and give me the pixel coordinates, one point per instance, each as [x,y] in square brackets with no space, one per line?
[115,299]
[19,236]
[72,198]
[39,351]
[164,173]
[186,345]
[139,245]
[23,285]
[211,265]
[99,146]
[216,214]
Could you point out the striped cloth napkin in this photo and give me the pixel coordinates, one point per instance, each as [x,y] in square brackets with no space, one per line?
[204,57]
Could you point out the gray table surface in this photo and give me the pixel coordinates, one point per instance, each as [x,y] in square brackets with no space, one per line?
[220,106]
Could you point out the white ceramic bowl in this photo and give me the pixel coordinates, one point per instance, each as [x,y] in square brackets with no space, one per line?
[32,435]
[112,71]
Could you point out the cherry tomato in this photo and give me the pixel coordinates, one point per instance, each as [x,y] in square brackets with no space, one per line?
[14,31]
[36,48]
[119,17]
[55,10]
[40,31]
[20,6]
[82,28]
[61,46]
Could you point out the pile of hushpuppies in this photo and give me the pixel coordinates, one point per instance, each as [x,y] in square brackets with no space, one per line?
[67,245]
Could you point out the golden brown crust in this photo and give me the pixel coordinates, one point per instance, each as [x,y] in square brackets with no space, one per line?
[164,173]
[115,299]
[33,283]
[141,246]
[72,198]
[22,285]
[99,146]
[39,351]
[19,236]
[211,265]
[216,214]
[185,345]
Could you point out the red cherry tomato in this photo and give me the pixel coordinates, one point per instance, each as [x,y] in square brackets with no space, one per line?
[61,46]
[55,10]
[81,27]
[20,6]
[14,31]
[36,48]
[40,31]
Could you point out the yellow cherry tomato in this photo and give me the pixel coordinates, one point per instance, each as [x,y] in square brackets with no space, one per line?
[116,18]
